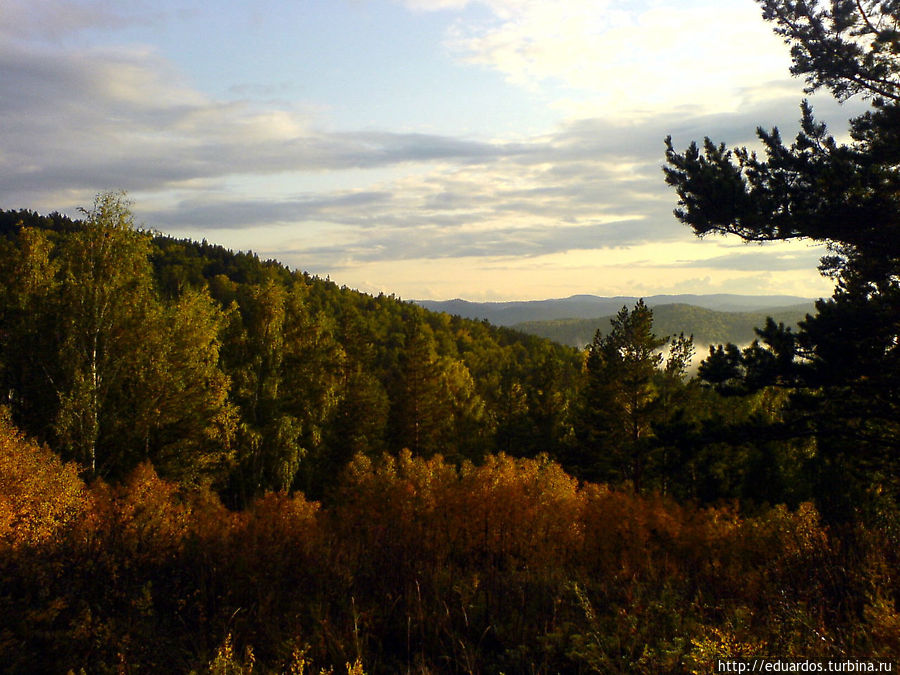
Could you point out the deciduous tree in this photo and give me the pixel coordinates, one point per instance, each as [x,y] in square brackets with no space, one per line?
[106,300]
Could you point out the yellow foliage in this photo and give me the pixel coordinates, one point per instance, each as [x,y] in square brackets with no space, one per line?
[883,621]
[40,496]
[226,663]
[514,548]
[355,668]
[716,644]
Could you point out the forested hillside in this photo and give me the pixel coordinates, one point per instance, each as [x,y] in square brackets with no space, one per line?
[512,313]
[489,501]
[122,346]
[212,463]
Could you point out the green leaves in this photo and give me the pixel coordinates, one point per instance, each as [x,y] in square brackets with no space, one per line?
[104,369]
[218,367]
[105,299]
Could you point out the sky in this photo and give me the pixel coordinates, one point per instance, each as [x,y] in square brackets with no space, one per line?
[431,149]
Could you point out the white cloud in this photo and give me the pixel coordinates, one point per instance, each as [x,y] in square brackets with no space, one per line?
[549,209]
[624,58]
[91,120]
[435,5]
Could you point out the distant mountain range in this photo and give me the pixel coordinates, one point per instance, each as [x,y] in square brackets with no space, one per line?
[711,319]
[593,306]
[706,325]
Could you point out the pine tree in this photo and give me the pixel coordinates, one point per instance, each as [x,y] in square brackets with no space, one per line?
[843,365]
[629,387]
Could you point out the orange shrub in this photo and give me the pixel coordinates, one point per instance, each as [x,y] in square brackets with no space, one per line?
[522,514]
[40,496]
[629,535]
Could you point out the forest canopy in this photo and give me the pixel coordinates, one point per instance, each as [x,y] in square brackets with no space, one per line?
[210,462]
[123,346]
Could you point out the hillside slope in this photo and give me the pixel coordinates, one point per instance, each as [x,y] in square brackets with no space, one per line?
[592,306]
[220,367]
[706,325]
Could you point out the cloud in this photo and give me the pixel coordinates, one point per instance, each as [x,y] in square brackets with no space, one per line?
[94,119]
[626,60]
[52,21]
[628,57]
[435,242]
[761,259]
[228,214]
[83,120]
[89,119]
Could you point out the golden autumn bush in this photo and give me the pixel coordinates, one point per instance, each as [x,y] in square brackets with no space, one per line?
[40,496]
[416,565]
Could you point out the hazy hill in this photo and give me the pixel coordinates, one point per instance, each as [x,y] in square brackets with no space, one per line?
[592,306]
[706,325]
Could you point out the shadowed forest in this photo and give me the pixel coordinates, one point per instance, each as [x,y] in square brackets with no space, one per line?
[211,463]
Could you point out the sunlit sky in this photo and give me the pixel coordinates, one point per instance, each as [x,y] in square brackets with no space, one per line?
[483,149]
